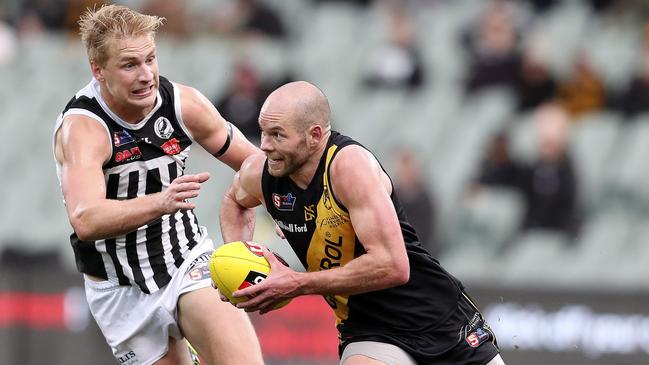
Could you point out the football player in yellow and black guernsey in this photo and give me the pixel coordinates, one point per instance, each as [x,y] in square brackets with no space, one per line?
[336,206]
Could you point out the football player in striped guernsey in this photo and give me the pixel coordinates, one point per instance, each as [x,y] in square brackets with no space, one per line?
[120,146]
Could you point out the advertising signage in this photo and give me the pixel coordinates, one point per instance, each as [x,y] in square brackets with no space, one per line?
[541,326]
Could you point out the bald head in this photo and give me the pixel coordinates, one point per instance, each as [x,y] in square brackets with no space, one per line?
[301,103]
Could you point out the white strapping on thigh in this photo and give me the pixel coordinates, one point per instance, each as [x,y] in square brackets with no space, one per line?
[385,352]
[498,360]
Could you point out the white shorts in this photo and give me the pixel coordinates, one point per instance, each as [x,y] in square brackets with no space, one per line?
[137,326]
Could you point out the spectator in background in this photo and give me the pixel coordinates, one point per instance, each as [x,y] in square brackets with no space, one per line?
[250,18]
[50,14]
[492,48]
[498,168]
[542,6]
[584,92]
[74,9]
[355,2]
[635,99]
[243,100]
[535,84]
[177,23]
[397,63]
[549,184]
[415,198]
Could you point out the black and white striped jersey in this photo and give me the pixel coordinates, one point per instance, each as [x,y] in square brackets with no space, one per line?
[146,157]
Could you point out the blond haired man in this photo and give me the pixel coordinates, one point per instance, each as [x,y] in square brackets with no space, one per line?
[120,145]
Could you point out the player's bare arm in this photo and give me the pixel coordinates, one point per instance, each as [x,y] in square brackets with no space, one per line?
[243,195]
[210,130]
[82,147]
[360,184]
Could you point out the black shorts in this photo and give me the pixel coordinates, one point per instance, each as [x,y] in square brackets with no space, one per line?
[463,339]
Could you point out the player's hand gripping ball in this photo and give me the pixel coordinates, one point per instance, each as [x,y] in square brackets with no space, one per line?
[237,265]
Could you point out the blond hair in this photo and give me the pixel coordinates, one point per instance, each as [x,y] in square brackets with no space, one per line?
[100,26]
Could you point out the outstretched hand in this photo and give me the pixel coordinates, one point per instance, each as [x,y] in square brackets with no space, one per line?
[185,187]
[281,284]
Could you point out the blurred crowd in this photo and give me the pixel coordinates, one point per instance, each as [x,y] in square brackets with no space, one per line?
[502,49]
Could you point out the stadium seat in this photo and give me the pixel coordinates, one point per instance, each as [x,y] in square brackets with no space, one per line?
[626,180]
[489,217]
[600,250]
[537,258]
[601,130]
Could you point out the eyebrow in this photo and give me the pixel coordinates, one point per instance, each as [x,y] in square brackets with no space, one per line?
[134,58]
[274,128]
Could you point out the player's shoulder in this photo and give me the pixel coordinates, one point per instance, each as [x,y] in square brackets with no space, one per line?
[83,122]
[186,92]
[253,166]
[353,158]
[250,174]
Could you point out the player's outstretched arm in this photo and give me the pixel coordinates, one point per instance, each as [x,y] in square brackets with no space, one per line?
[211,131]
[243,195]
[82,147]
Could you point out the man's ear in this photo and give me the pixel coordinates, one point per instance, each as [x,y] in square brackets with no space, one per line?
[315,135]
[97,71]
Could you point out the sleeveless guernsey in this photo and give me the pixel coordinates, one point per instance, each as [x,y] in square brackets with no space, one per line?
[146,157]
[320,231]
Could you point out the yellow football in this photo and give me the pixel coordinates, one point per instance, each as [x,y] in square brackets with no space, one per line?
[237,265]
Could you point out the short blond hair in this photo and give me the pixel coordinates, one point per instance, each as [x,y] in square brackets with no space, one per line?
[100,26]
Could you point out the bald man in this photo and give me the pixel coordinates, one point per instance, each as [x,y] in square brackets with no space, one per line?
[336,206]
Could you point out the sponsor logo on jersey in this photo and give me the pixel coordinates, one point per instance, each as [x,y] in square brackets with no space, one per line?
[293,227]
[171,147]
[121,138]
[309,212]
[326,199]
[128,155]
[474,339]
[163,128]
[284,202]
[253,277]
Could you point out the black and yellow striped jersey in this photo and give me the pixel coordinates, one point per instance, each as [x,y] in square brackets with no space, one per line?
[320,231]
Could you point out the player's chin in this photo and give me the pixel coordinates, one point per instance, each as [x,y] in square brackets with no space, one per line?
[277,172]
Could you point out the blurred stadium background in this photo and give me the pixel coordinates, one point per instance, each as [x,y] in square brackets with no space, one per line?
[555,252]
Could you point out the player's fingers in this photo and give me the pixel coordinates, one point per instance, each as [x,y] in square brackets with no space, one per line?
[184,205]
[249,291]
[203,177]
[279,233]
[198,178]
[272,259]
[186,195]
[223,297]
[186,186]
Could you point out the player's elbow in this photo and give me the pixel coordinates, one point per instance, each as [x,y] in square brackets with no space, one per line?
[81,226]
[397,273]
[401,273]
